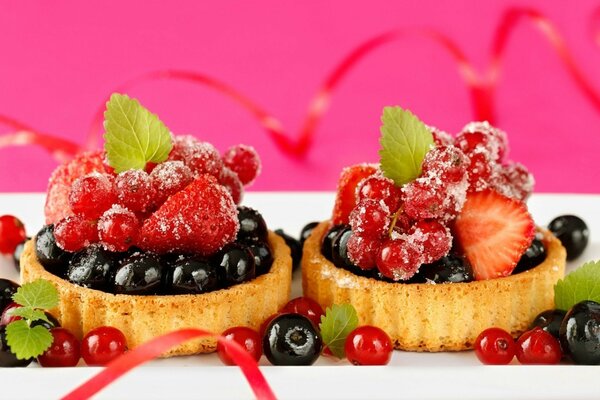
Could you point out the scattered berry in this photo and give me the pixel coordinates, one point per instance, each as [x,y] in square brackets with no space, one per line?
[7,289]
[400,258]
[377,187]
[102,345]
[118,229]
[244,161]
[345,200]
[75,232]
[232,183]
[549,321]
[370,218]
[7,318]
[246,337]
[291,339]
[572,232]
[580,333]
[64,351]
[368,345]
[307,307]
[495,346]
[134,190]
[538,347]
[92,194]
[12,233]
[7,357]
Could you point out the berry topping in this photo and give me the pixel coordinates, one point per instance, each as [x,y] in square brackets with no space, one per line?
[306,231]
[291,339]
[435,238]
[235,264]
[370,218]
[368,345]
[139,274]
[572,232]
[118,229]
[440,137]
[92,194]
[329,238]
[201,219]
[263,258]
[450,268]
[538,347]
[493,231]
[448,163]
[169,178]
[7,357]
[549,321]
[102,345]
[514,180]
[379,188]
[75,232]
[91,267]
[7,289]
[246,337]
[580,333]
[252,224]
[232,183]
[345,200]
[244,161]
[495,346]
[294,245]
[428,197]
[305,306]
[200,157]
[12,233]
[64,351]
[481,136]
[533,256]
[192,275]
[53,258]
[134,190]
[363,251]
[400,258]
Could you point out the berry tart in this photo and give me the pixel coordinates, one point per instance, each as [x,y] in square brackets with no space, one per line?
[435,243]
[148,237]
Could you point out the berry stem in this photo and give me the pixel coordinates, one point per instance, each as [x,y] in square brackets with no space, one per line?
[394,220]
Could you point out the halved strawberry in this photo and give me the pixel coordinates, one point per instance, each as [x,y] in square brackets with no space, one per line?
[493,231]
[345,200]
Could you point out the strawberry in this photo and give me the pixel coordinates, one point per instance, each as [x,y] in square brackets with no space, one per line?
[345,200]
[201,218]
[493,231]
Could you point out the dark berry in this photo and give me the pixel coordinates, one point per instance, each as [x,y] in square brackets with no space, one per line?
[235,263]
[294,245]
[102,345]
[538,347]
[7,358]
[17,254]
[305,306]
[246,337]
[64,351]
[252,225]
[263,257]
[533,256]
[139,274]
[368,345]
[340,256]
[495,346]
[549,321]
[12,232]
[580,333]
[306,231]
[91,268]
[572,232]
[192,275]
[7,316]
[450,268]
[291,339]
[327,244]
[7,289]
[53,258]
[48,325]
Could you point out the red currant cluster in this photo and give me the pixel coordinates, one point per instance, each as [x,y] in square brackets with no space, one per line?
[397,229]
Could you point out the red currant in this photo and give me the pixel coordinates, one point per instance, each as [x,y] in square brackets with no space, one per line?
[200,157]
[538,347]
[248,338]
[307,307]
[378,187]
[244,161]
[12,233]
[399,259]
[232,183]
[73,233]
[118,229]
[134,190]
[425,199]
[495,346]
[481,135]
[102,345]
[370,218]
[7,318]
[515,181]
[92,194]
[64,351]
[469,141]
[436,239]
[363,251]
[448,163]
[440,137]
[480,171]
[368,345]
[169,178]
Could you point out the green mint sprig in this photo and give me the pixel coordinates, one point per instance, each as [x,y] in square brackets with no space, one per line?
[577,286]
[336,325]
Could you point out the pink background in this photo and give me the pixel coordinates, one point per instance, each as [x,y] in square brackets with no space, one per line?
[61,59]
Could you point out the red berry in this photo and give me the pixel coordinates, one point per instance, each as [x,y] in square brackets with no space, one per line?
[6,317]
[378,187]
[307,307]
[12,233]
[244,161]
[200,157]
[102,345]
[370,218]
[363,251]
[368,345]
[481,135]
[64,351]
[425,199]
[232,183]
[75,232]
[469,141]
[118,229]
[92,194]
[538,347]
[134,190]
[345,200]
[480,171]
[514,180]
[440,137]
[400,259]
[434,236]
[448,163]
[246,337]
[169,178]
[495,346]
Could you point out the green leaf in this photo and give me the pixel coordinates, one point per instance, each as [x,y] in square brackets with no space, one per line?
[404,142]
[27,342]
[134,136]
[577,286]
[29,313]
[336,325]
[37,294]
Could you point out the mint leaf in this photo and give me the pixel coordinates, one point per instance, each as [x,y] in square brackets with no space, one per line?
[27,342]
[336,325]
[404,142]
[37,294]
[577,286]
[134,136]
[29,313]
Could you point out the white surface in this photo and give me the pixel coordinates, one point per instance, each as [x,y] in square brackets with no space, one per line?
[410,375]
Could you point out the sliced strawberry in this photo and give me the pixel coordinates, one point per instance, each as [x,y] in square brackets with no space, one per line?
[493,231]
[201,218]
[345,200]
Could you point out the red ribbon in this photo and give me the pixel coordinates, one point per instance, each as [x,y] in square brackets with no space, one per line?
[154,348]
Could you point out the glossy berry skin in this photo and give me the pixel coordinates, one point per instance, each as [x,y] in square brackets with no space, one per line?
[246,337]
[7,289]
[134,190]
[53,258]
[263,257]
[339,250]
[48,325]
[450,268]
[434,236]
[327,243]
[495,346]
[91,268]
[368,345]
[17,254]
[244,161]
[399,259]
[370,219]
[307,307]
[118,229]
[291,339]
[295,247]
[363,251]
[377,187]
[92,194]
[12,232]
[550,321]
[102,345]
[537,346]
[572,232]
[6,317]
[533,256]
[139,274]
[306,231]
[74,232]
[235,264]
[192,275]
[580,333]
[7,358]
[64,351]
[252,225]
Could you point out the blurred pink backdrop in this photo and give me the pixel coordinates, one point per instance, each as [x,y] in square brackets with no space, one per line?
[61,59]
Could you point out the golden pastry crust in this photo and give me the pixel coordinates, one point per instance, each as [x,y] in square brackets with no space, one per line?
[142,318]
[435,317]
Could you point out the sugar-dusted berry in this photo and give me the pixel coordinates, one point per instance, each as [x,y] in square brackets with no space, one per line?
[434,236]
[514,180]
[378,187]
[244,161]
[363,251]
[200,157]
[92,194]
[448,163]
[370,218]
[232,183]
[169,178]
[345,200]
[440,137]
[134,190]
[483,136]
[75,232]
[118,229]
[400,258]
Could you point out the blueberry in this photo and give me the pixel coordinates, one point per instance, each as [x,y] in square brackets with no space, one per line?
[263,257]
[291,339]
[53,258]
[17,254]
[450,268]
[306,231]
[7,289]
[192,275]
[572,232]
[294,245]
[235,263]
[327,243]
[533,256]
[92,267]
[580,333]
[7,358]
[139,274]
[48,325]
[339,253]
[252,225]
[549,321]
